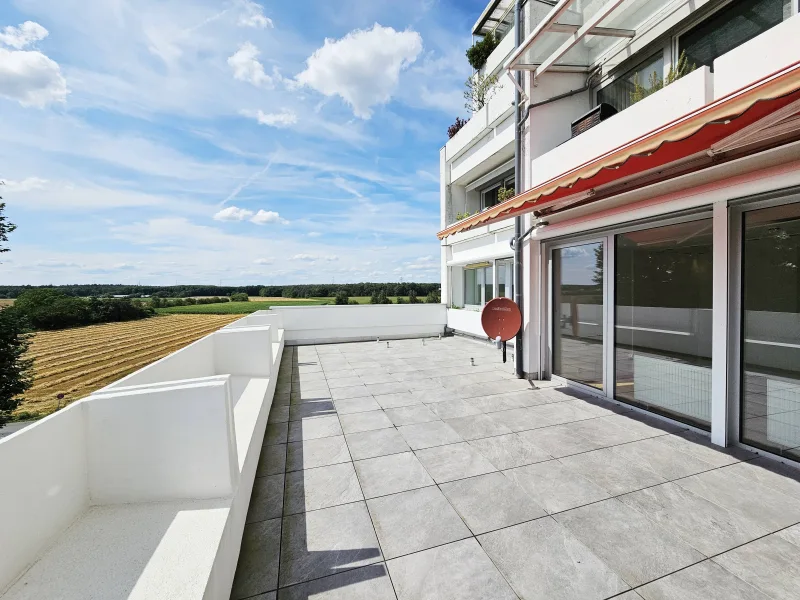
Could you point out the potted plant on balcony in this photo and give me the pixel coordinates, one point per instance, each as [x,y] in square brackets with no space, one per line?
[479,52]
[480,89]
[657,83]
[456,127]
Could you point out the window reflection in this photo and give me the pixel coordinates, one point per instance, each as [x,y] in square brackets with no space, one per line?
[663,288]
[770,416]
[578,313]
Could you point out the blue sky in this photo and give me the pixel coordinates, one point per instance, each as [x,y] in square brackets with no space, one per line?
[226,141]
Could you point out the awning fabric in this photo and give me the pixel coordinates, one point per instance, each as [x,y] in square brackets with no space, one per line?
[683,137]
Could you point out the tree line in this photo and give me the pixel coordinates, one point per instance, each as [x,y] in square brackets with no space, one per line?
[270,291]
[47,309]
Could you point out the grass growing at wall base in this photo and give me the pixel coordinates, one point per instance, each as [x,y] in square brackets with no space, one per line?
[235,308]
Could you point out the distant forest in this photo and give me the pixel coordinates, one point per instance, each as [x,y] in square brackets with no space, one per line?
[269,291]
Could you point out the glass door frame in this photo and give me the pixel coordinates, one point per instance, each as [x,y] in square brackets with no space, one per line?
[606,235]
[736,212]
[607,242]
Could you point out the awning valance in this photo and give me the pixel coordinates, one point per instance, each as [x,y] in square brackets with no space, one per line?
[712,128]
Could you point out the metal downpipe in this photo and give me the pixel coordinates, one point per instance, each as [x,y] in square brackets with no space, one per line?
[518,296]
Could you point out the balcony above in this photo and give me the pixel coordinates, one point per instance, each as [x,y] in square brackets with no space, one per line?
[685,95]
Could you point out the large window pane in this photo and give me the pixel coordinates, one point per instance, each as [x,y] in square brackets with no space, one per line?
[663,289]
[648,74]
[730,27]
[488,284]
[578,313]
[770,416]
[472,293]
[505,277]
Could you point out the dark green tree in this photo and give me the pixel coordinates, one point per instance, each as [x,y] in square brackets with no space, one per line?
[342,298]
[433,297]
[15,369]
[412,297]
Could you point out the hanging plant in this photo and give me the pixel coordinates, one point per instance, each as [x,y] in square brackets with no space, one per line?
[479,52]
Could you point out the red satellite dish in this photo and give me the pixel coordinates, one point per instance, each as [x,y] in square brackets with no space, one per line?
[501,318]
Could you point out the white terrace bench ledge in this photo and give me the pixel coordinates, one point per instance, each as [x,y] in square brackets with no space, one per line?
[141,490]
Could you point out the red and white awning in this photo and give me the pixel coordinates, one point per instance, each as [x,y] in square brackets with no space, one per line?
[732,122]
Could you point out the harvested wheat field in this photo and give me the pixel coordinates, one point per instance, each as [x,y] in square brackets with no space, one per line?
[76,362]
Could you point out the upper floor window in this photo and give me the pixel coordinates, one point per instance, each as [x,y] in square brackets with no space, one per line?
[619,93]
[490,195]
[731,26]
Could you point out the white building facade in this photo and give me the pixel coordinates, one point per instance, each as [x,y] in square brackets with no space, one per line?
[660,179]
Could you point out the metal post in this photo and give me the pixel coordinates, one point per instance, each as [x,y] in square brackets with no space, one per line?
[520,372]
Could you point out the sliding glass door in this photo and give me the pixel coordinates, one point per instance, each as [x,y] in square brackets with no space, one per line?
[578,320]
[663,319]
[770,329]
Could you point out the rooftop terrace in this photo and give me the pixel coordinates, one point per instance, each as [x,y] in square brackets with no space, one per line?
[401,470]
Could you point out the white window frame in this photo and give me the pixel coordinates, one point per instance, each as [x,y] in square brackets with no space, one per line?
[495,282]
[503,181]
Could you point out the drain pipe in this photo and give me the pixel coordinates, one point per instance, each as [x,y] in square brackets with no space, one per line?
[518,364]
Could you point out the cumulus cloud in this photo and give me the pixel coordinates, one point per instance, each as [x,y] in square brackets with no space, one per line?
[247,67]
[26,34]
[314,257]
[253,16]
[263,217]
[233,213]
[285,118]
[31,78]
[363,68]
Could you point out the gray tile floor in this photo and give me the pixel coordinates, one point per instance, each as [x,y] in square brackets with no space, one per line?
[406,472]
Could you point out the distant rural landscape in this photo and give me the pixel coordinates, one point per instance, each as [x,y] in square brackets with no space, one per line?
[81,338]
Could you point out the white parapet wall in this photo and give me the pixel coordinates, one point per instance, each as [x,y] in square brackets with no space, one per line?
[466,321]
[162,443]
[328,324]
[142,489]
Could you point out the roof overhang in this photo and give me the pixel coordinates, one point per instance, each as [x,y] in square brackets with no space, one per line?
[745,121]
[574,35]
[494,14]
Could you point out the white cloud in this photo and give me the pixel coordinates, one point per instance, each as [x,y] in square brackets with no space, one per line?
[285,118]
[246,66]
[233,213]
[55,264]
[363,67]
[262,217]
[25,185]
[253,16]
[31,78]
[315,257]
[22,36]
[263,261]
[314,234]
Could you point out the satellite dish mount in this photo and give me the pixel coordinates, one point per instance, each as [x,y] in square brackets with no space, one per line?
[501,320]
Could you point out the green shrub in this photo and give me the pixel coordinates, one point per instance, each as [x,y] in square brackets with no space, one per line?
[341,298]
[240,297]
[479,52]
[433,297]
